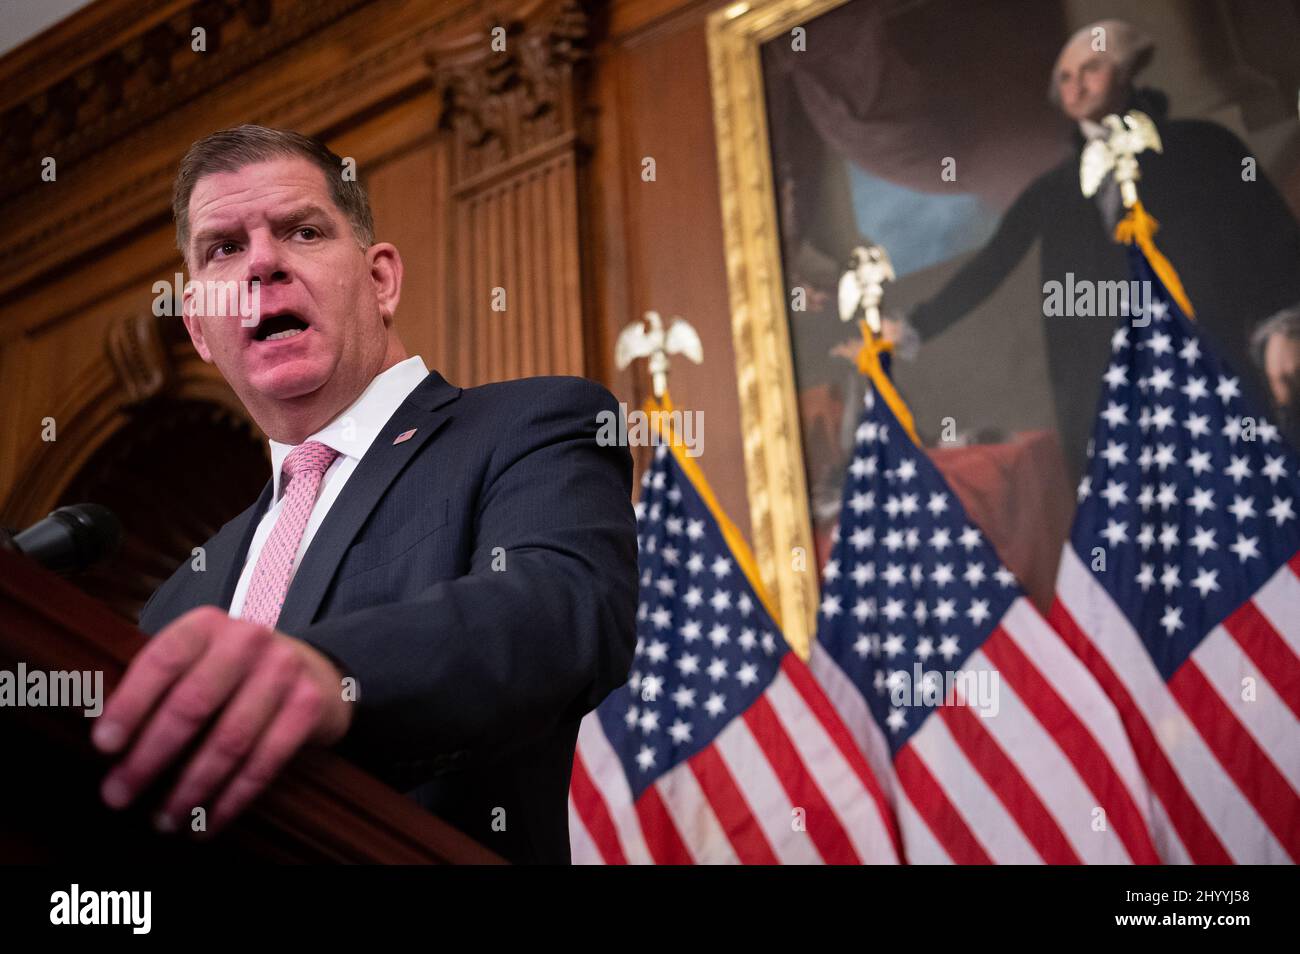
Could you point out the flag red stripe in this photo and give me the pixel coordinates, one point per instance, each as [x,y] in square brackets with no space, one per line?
[1003,778]
[594,813]
[661,836]
[1200,840]
[938,813]
[731,808]
[1240,755]
[822,824]
[1076,742]
[815,699]
[1267,650]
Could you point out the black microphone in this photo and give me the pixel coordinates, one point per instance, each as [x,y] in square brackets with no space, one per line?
[72,538]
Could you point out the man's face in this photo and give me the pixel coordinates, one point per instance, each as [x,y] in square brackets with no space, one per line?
[1282,368]
[1087,83]
[275,223]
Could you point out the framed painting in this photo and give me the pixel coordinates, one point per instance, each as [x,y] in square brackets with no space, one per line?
[925,127]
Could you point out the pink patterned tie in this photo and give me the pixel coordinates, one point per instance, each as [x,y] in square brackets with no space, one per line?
[303,470]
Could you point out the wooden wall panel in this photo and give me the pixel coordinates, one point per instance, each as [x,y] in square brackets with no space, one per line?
[520,236]
[406,179]
[660,242]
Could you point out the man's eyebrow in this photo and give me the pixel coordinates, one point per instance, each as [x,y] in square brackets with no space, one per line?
[211,233]
[300,214]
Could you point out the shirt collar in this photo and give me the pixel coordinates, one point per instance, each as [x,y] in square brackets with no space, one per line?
[355,428]
[1092,130]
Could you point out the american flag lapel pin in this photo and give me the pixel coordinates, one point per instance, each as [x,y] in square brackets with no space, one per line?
[404,436]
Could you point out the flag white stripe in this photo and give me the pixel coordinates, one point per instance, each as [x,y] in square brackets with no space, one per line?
[856,715]
[694,818]
[986,817]
[1169,846]
[1079,690]
[1278,600]
[1051,775]
[607,776]
[919,842]
[582,847]
[835,778]
[1227,811]
[768,803]
[1266,717]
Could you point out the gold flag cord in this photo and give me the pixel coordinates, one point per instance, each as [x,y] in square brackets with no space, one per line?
[739,549]
[869,364]
[1140,226]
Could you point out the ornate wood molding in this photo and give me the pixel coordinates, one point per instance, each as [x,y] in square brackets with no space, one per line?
[517,133]
[138,354]
[148,70]
[110,203]
[94,410]
[502,103]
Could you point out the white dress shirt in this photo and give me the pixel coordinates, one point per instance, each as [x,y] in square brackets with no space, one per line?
[350,433]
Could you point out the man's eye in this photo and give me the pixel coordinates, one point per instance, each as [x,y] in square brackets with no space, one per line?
[220,251]
[307,231]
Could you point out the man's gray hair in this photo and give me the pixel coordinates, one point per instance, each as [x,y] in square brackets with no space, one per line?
[1128,47]
[1286,322]
[231,149]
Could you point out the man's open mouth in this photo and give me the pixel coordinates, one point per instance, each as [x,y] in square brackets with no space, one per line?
[279,327]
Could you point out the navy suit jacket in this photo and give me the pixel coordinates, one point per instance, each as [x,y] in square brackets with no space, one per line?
[479,581]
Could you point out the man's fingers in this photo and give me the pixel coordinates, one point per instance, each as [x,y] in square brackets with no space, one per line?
[236,731]
[187,709]
[291,728]
[155,669]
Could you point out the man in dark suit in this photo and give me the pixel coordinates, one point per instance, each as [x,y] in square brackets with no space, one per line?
[437,582]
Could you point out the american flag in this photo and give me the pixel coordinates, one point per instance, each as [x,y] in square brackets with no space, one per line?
[721,748]
[1025,760]
[1178,589]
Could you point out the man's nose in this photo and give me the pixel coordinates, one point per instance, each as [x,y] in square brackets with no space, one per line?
[265,263]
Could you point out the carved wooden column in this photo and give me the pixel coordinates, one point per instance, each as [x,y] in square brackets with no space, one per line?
[509,89]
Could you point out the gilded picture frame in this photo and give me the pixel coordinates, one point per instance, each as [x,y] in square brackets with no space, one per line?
[774,466]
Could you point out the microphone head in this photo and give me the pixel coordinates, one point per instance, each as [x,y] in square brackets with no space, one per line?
[72,538]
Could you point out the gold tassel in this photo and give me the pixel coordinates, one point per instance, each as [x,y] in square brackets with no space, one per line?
[869,364]
[1139,226]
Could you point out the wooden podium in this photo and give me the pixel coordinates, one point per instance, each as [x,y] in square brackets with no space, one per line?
[321,809]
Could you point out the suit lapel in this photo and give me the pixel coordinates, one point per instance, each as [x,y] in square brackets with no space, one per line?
[424,411]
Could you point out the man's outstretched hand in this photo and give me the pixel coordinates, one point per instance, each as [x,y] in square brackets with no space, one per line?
[258,694]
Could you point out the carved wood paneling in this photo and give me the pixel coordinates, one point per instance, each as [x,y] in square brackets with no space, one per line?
[511,108]
[516,276]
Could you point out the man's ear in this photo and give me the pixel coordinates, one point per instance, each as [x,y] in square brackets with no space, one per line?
[386,272]
[189,314]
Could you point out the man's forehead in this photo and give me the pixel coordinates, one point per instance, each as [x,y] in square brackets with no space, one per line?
[283,183]
[1283,348]
[1076,54]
